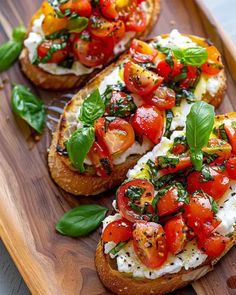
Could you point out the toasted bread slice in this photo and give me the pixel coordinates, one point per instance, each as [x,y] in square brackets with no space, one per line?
[46,80]
[124,283]
[90,184]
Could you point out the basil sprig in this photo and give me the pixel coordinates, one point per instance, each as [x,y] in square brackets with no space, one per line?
[10,50]
[199,124]
[28,107]
[194,56]
[81,220]
[82,139]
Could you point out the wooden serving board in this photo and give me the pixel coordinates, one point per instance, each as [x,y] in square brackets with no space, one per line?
[30,203]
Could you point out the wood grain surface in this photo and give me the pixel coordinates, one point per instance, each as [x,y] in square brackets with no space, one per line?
[30,203]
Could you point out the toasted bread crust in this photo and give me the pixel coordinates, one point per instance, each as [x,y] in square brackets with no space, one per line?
[46,80]
[123,284]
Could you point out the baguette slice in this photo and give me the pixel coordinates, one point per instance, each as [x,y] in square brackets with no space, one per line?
[90,184]
[124,284]
[46,80]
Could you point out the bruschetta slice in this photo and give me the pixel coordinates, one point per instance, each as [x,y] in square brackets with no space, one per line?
[69,41]
[173,223]
[125,110]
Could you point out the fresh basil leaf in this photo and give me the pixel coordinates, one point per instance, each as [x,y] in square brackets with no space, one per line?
[223,133]
[9,53]
[117,248]
[18,33]
[214,206]
[62,34]
[199,124]
[79,145]
[153,170]
[194,56]
[92,108]
[206,173]
[77,25]
[161,181]
[28,107]
[182,193]
[169,118]
[134,192]
[167,161]
[81,220]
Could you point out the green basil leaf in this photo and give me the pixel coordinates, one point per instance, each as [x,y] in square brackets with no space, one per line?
[117,248]
[134,192]
[18,33]
[92,108]
[28,107]
[199,124]
[81,220]
[79,145]
[77,25]
[194,56]
[9,53]
[169,119]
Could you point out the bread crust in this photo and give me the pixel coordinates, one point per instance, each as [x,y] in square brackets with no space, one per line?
[49,81]
[84,184]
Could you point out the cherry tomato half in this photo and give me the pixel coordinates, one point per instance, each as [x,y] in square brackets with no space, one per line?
[120,230]
[148,121]
[218,147]
[231,133]
[58,56]
[142,52]
[108,8]
[82,7]
[231,167]
[163,98]
[150,243]
[213,65]
[184,163]
[169,72]
[136,21]
[214,245]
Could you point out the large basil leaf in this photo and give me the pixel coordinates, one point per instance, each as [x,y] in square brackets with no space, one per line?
[199,124]
[77,25]
[28,107]
[81,220]
[92,108]
[79,145]
[194,56]
[18,33]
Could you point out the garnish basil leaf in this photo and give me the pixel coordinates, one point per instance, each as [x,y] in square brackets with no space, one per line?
[92,108]
[199,125]
[18,33]
[28,107]
[81,220]
[77,25]
[79,145]
[194,56]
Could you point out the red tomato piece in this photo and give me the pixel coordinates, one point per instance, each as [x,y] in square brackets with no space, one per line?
[139,80]
[231,133]
[204,229]
[169,202]
[214,245]
[168,72]
[125,201]
[189,81]
[163,98]
[184,163]
[120,230]
[141,52]
[57,57]
[108,8]
[231,168]
[148,121]
[179,149]
[150,243]
[136,21]
[82,7]
[213,65]
[215,187]
[175,230]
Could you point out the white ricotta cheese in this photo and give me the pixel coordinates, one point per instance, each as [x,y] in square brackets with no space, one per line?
[180,114]
[213,84]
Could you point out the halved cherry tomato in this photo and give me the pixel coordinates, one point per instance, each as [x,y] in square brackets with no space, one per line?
[189,81]
[92,53]
[215,187]
[214,245]
[163,98]
[184,162]
[120,230]
[213,65]
[136,21]
[82,7]
[231,133]
[231,167]
[169,72]
[218,147]
[204,229]
[142,52]
[108,8]
[148,121]
[169,202]
[58,56]
[139,80]
[141,201]
[175,230]
[150,243]
[179,149]
[101,160]
[119,136]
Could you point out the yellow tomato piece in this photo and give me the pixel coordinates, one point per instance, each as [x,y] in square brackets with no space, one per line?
[36,15]
[122,3]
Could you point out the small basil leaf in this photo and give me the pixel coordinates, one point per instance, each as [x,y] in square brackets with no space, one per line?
[79,145]
[28,107]
[77,25]
[194,56]
[9,53]
[81,220]
[92,108]
[199,124]
[18,33]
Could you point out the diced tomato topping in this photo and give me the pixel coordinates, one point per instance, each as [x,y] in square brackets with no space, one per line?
[231,167]
[218,147]
[82,7]
[57,57]
[141,52]
[231,133]
[165,70]
[213,65]
[191,78]
[214,245]
[120,230]
[108,8]
[136,21]
[163,98]
[184,163]
[179,149]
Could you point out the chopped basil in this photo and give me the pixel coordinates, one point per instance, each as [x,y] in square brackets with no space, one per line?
[117,248]
[222,131]
[161,181]
[182,193]
[153,170]
[206,173]
[134,192]
[209,157]
[77,25]
[67,63]
[122,107]
[169,118]
[214,206]
[106,96]
[167,161]
[63,34]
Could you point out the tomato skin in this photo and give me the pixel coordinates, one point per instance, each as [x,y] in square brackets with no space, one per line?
[92,53]
[175,230]
[148,121]
[120,230]
[139,80]
[215,187]
[214,245]
[136,21]
[231,167]
[123,201]
[184,162]
[57,56]
[218,147]
[231,133]
[213,65]
[179,149]
[169,202]
[141,52]
[150,243]
[108,9]
[204,229]
[163,98]
[189,81]
[168,72]
[82,7]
